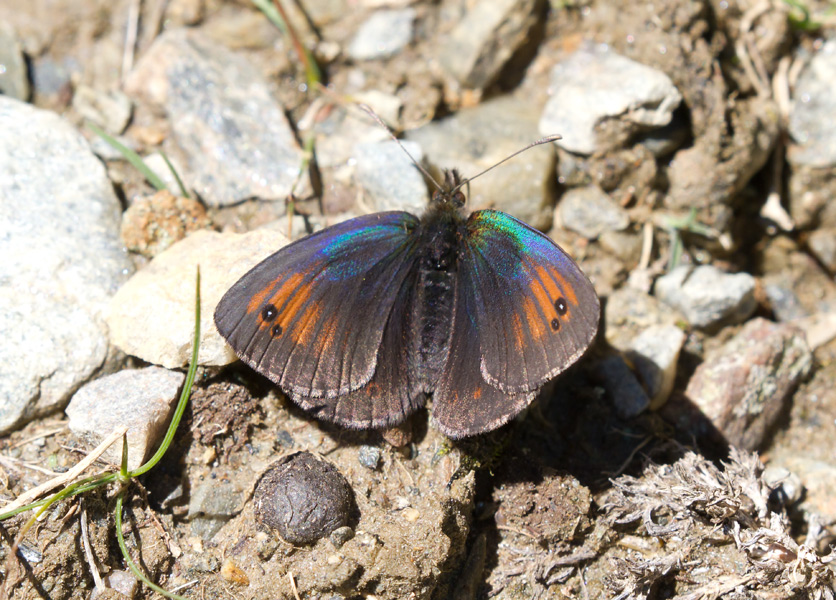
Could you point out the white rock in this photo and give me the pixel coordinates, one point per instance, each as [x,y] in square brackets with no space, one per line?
[384,34]
[654,354]
[152,316]
[594,84]
[62,260]
[141,399]
[707,296]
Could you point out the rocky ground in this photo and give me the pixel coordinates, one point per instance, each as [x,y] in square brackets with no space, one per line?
[692,183]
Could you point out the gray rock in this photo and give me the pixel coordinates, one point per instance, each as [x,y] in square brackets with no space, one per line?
[62,260]
[383,34]
[628,396]
[152,315]
[14,79]
[813,104]
[822,243]
[215,501]
[654,354]
[785,303]
[110,110]
[486,38]
[477,138]
[389,177]
[590,212]
[744,386]
[140,399]
[593,85]
[628,312]
[238,141]
[707,296]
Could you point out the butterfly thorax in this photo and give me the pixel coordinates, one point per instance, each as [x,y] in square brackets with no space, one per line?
[434,289]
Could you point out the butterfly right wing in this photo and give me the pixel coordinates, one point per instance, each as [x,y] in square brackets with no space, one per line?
[312,316]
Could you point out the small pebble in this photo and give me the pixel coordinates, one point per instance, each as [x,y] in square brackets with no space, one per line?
[304,498]
[153,223]
[110,110]
[284,439]
[654,354]
[369,457]
[236,137]
[811,127]
[411,514]
[487,38]
[340,536]
[707,296]
[822,244]
[384,34]
[784,301]
[152,315]
[389,177]
[232,573]
[590,212]
[213,502]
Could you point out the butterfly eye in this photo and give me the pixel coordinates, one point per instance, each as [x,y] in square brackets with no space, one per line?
[269,312]
[276,330]
[555,324]
[561,307]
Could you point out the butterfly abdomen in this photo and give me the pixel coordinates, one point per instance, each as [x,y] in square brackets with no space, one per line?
[433,300]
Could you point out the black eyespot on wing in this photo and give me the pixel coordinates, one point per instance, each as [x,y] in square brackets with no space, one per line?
[269,312]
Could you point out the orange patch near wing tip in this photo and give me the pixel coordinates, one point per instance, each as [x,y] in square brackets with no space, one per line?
[556,284]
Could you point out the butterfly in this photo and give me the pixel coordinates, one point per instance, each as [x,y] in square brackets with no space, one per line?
[360,322]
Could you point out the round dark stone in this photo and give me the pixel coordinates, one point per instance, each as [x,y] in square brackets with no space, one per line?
[304,498]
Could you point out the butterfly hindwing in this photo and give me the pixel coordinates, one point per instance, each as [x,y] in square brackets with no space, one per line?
[391,394]
[535,311]
[464,403]
[312,316]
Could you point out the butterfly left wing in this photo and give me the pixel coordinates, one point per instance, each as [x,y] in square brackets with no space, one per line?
[535,310]
[311,317]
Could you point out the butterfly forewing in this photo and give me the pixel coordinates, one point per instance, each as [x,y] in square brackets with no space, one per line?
[312,316]
[535,310]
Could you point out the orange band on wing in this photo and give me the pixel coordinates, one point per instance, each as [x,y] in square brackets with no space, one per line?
[556,285]
[536,319]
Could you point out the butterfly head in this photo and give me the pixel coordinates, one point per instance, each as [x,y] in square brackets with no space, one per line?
[449,194]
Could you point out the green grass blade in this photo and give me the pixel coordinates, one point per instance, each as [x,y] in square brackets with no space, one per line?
[131,564]
[184,395]
[132,157]
[183,191]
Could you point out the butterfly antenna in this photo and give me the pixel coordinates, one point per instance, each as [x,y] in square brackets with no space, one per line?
[546,140]
[373,115]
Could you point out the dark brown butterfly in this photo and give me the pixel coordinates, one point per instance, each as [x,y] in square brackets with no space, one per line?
[360,322]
